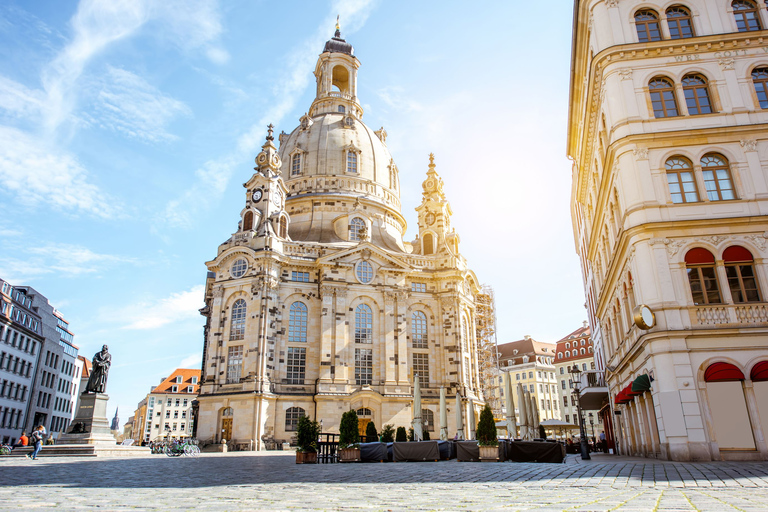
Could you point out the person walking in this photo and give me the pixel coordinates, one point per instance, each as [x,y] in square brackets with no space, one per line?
[37,439]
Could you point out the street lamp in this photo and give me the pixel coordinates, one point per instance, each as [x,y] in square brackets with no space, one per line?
[576,377]
[592,424]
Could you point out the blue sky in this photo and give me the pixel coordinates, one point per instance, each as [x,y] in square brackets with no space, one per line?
[127,128]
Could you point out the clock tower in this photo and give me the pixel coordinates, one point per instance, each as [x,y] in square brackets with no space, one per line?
[435,233]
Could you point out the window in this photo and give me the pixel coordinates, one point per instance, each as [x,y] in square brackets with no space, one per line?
[717,178]
[740,269]
[167,414]
[296,364]
[567,418]
[301,277]
[428,420]
[174,389]
[696,94]
[562,384]
[179,379]
[562,370]
[184,403]
[682,185]
[190,389]
[351,161]
[747,16]
[194,380]
[760,79]
[517,376]
[662,97]
[297,323]
[292,417]
[238,268]
[342,109]
[296,164]
[647,25]
[363,366]
[700,266]
[679,22]
[363,324]
[567,353]
[584,366]
[530,388]
[421,367]
[356,229]
[283,228]
[418,287]
[237,327]
[364,272]
[419,329]
[234,364]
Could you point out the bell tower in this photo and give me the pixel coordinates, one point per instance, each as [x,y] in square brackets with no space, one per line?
[434,213]
[336,75]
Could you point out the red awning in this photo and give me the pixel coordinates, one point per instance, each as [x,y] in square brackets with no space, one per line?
[718,372]
[628,391]
[760,371]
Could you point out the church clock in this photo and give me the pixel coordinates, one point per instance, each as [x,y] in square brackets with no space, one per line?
[257,195]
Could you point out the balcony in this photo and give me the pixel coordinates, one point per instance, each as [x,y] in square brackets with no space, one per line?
[729,315]
[594,391]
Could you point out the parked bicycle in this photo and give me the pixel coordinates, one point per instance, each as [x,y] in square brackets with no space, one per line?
[5,449]
[177,448]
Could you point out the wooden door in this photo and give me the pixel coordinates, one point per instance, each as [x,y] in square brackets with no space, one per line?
[362,424]
[226,428]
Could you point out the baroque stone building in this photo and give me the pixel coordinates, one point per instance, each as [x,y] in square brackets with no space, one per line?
[316,304]
[667,132]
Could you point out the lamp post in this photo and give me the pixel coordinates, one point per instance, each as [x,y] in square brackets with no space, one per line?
[576,374]
[592,424]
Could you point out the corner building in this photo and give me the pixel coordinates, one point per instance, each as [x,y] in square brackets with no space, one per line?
[667,131]
[316,304]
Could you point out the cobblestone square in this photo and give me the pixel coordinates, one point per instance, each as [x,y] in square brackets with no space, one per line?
[272,481]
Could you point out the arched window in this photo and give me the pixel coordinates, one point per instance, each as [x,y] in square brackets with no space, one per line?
[237,325]
[292,417]
[696,94]
[582,351]
[747,15]
[419,330]
[428,243]
[567,353]
[589,349]
[283,228]
[363,324]
[740,269]
[297,323]
[364,412]
[356,229]
[351,161]
[342,109]
[663,97]
[682,185]
[248,221]
[647,24]
[700,266]
[567,344]
[717,177]
[760,79]
[428,420]
[559,355]
[296,164]
[679,22]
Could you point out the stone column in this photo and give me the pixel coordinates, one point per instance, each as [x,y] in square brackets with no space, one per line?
[342,348]
[388,327]
[327,327]
[400,328]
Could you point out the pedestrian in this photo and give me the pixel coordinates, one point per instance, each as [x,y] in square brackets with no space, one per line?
[37,439]
[603,444]
[23,440]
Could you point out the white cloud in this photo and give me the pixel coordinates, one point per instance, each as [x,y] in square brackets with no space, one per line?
[192,25]
[153,314]
[19,101]
[191,361]
[127,103]
[34,174]
[66,259]
[213,177]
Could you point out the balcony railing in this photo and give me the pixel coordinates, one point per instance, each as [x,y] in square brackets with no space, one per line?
[593,390]
[729,315]
[592,379]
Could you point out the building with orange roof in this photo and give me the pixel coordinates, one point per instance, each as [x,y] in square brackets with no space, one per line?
[167,409]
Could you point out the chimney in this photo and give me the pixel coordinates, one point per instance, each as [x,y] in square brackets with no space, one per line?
[527,336]
[584,324]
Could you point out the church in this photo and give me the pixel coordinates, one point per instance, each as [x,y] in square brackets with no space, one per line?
[316,305]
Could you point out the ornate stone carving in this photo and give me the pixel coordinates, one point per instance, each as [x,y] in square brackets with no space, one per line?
[640,153]
[327,291]
[625,74]
[672,245]
[748,144]
[446,302]
[612,3]
[714,239]
[758,240]
[725,64]
[218,291]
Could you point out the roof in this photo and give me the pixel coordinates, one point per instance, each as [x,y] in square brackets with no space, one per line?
[186,375]
[578,333]
[338,45]
[515,350]
[86,367]
[573,340]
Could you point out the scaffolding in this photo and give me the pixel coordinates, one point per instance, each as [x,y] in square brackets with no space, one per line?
[490,376]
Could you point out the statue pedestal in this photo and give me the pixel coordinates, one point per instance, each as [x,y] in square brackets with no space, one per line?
[90,425]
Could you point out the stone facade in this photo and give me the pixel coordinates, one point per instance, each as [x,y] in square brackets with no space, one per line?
[667,135]
[316,304]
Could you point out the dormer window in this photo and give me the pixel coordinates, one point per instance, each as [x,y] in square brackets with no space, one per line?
[179,379]
[296,164]
[175,389]
[525,359]
[351,161]
[356,229]
[194,380]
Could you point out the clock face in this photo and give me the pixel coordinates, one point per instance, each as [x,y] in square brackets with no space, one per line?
[648,317]
[430,184]
[257,195]
[430,218]
[643,317]
[278,198]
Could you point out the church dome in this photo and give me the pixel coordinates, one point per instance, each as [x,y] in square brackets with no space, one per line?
[338,45]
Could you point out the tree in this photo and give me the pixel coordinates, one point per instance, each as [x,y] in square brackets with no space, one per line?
[411,436]
[387,433]
[401,436]
[370,433]
[349,433]
[306,435]
[486,428]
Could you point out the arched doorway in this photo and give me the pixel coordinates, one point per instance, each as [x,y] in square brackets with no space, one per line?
[364,417]
[227,415]
[728,407]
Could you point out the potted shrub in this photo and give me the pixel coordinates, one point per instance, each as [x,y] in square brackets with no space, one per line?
[401,436]
[388,434]
[487,440]
[306,437]
[371,436]
[349,437]
[426,435]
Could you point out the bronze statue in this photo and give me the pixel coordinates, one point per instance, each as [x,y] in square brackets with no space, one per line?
[97,381]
